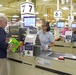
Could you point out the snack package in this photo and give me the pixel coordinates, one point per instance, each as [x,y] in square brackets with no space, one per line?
[15,43]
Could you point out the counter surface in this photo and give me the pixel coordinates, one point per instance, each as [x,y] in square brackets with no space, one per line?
[56,55]
[38,64]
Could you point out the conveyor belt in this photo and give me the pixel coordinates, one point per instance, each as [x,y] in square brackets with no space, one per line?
[56,55]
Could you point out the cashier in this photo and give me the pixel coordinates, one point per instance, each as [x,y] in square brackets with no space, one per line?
[45,36]
[74,35]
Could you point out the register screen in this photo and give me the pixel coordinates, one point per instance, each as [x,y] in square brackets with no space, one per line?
[60,24]
[73,26]
[29,21]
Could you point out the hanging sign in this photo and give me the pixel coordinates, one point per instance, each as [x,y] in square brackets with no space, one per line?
[70,18]
[57,14]
[27,8]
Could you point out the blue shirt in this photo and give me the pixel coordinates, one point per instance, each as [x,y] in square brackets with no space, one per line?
[45,38]
[3,43]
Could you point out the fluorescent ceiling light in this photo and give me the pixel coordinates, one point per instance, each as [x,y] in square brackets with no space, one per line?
[45,15]
[63,2]
[27,0]
[14,19]
[74,13]
[1,5]
[66,19]
[37,12]
[45,0]
[38,18]
[65,8]
[15,16]
[2,14]
[62,18]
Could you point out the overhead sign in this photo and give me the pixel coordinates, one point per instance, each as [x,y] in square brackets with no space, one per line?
[57,14]
[27,8]
[70,18]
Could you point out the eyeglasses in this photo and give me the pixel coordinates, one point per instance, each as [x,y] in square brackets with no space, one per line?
[43,25]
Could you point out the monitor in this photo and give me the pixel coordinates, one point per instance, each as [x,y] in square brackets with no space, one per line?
[73,25]
[60,24]
[29,21]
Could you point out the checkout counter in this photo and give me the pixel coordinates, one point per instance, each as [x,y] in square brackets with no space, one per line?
[42,64]
[56,63]
[64,47]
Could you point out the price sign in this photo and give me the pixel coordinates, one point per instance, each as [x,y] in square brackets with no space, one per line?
[27,8]
[57,14]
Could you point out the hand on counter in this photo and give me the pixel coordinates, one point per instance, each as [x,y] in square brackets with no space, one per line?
[46,47]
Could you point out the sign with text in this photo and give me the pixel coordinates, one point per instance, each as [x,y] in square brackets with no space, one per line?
[71,18]
[28,49]
[27,8]
[68,36]
[57,14]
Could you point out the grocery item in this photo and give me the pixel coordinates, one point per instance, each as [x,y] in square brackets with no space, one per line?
[15,43]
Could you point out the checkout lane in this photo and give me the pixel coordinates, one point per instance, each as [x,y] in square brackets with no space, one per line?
[43,62]
[55,63]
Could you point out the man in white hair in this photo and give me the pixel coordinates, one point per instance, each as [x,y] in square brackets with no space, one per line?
[3,45]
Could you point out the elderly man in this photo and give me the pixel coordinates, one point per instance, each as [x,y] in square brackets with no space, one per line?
[3,46]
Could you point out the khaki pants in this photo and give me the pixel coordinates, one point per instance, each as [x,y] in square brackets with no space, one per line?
[3,67]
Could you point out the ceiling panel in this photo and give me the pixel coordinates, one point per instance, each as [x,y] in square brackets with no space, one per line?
[52,4]
[11,7]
